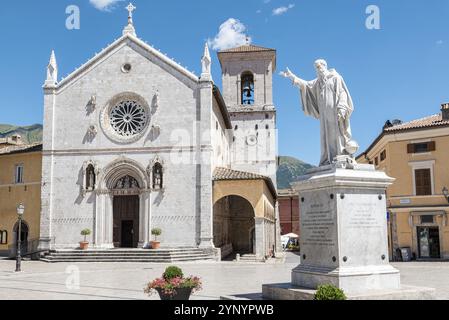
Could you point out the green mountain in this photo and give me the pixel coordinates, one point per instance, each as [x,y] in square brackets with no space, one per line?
[290,169]
[29,134]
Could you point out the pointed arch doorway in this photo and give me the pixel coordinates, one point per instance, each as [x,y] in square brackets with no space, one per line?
[123,211]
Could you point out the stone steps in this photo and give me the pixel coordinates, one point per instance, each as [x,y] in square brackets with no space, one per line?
[249,258]
[123,254]
[132,255]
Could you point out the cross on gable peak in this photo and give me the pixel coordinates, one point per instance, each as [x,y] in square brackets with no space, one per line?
[130,9]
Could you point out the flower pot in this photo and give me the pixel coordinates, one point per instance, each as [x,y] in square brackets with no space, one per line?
[155,244]
[179,294]
[84,245]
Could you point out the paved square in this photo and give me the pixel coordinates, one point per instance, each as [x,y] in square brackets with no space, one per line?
[126,280]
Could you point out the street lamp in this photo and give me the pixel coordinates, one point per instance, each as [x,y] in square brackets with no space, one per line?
[446,193]
[20,211]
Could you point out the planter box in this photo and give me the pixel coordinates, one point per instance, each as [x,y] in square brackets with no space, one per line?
[181,294]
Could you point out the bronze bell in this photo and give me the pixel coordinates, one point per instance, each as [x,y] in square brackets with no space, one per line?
[247,91]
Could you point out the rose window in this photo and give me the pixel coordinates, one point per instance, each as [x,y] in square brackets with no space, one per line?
[128,118]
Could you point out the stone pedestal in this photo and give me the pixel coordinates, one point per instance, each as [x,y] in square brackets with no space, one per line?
[343,230]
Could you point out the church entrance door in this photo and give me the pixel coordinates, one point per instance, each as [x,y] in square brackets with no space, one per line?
[126,221]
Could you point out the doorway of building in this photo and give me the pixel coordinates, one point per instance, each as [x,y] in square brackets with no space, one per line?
[126,221]
[429,242]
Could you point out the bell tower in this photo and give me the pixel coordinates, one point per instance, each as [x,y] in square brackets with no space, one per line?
[247,75]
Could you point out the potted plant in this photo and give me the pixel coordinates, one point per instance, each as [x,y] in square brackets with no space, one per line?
[173,285]
[156,232]
[84,244]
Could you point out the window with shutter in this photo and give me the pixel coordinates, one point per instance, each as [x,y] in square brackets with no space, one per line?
[423,182]
[421,147]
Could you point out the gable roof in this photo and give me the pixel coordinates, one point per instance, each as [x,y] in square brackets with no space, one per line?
[117,44]
[223,174]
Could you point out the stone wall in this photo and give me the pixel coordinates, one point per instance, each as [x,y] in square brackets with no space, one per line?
[183,209]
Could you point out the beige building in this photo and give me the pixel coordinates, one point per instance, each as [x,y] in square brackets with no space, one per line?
[244,214]
[416,154]
[20,182]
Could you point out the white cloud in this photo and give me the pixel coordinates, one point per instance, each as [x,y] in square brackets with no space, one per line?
[231,34]
[282,10]
[440,42]
[104,5]
[259,11]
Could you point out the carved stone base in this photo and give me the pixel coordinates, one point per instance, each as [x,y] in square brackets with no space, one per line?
[344,230]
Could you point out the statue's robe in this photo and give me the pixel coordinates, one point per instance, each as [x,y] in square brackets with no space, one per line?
[321,99]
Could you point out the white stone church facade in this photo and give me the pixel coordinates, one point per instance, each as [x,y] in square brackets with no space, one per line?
[134,141]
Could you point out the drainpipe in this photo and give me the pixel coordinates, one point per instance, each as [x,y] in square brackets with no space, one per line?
[291,213]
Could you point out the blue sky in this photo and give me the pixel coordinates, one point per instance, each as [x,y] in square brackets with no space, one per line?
[400,71]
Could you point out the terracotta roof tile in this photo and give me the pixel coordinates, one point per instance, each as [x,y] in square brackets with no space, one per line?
[431,121]
[246,48]
[229,174]
[223,174]
[20,149]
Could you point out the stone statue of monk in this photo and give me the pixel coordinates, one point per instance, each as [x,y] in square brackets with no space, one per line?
[327,98]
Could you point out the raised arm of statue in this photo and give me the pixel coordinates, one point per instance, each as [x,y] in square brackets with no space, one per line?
[296,80]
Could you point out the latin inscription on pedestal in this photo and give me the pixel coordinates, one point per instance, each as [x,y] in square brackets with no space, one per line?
[363,217]
[318,229]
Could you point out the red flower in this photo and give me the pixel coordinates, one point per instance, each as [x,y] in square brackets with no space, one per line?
[168,287]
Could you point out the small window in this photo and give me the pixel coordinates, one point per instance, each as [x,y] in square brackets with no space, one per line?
[383,155]
[421,147]
[423,182]
[257,127]
[427,219]
[267,116]
[3,237]
[216,125]
[236,128]
[267,127]
[19,174]
[376,161]
[126,68]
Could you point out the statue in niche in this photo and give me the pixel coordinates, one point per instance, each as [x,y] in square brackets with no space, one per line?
[90,177]
[157,176]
